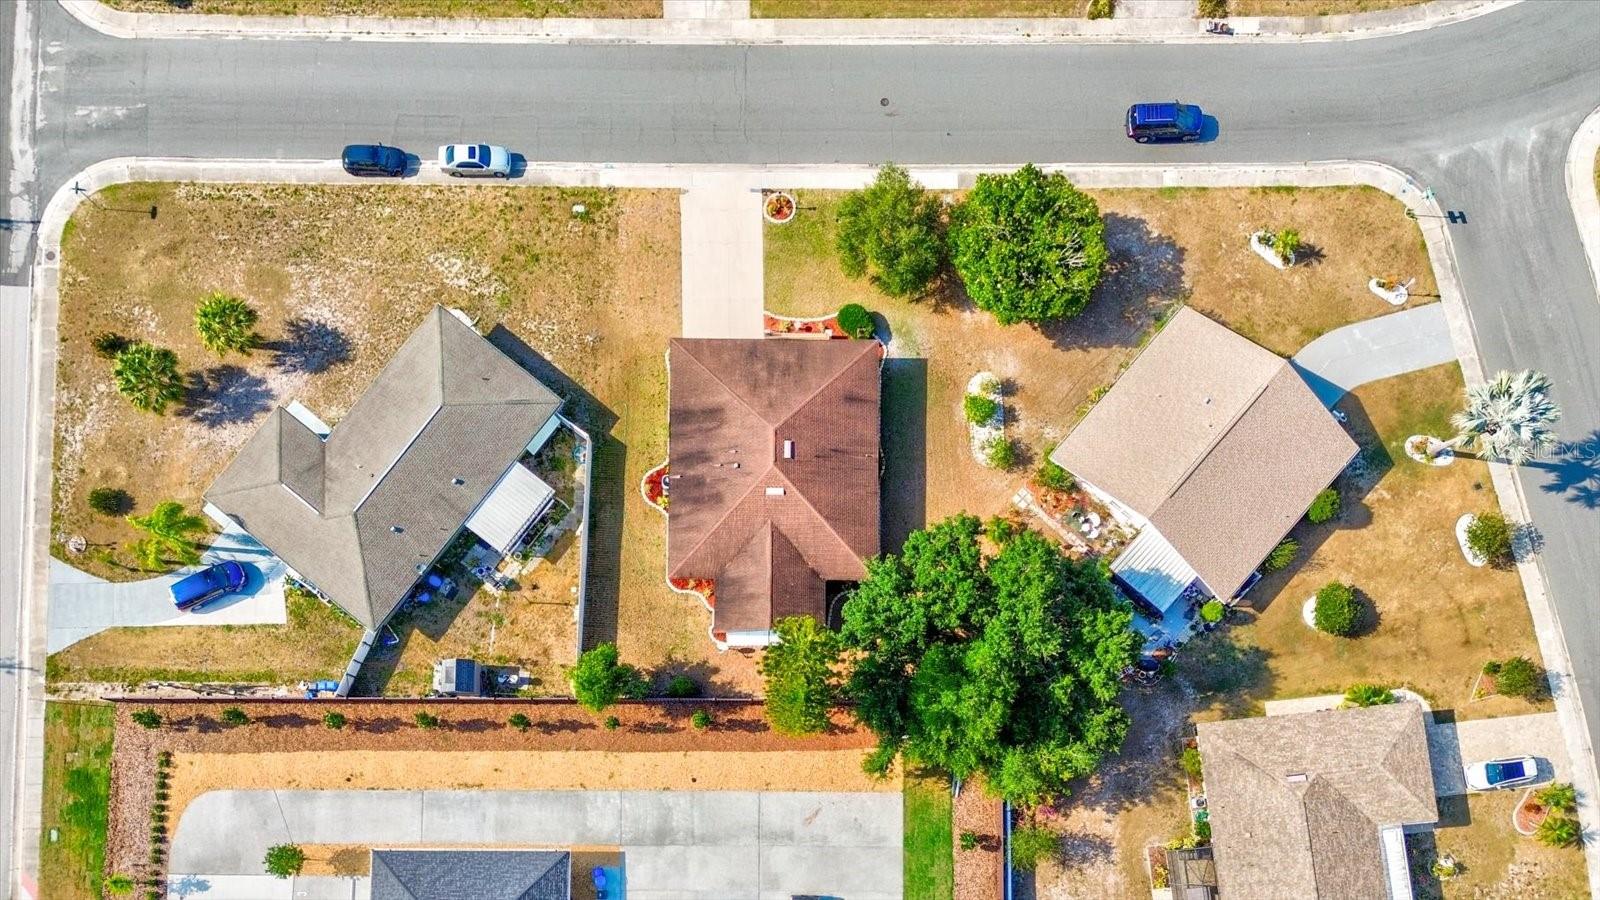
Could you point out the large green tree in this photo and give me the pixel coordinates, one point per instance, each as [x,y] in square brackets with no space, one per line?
[148,376]
[169,534]
[226,324]
[600,678]
[1029,247]
[1007,666]
[889,231]
[801,675]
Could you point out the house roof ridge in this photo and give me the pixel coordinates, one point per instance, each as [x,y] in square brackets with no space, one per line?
[827,383]
[1222,435]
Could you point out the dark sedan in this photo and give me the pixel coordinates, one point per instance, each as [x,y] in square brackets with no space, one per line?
[374,159]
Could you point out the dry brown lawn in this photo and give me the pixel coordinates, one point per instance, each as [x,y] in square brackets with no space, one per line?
[914,9]
[1496,862]
[1437,619]
[1312,7]
[476,9]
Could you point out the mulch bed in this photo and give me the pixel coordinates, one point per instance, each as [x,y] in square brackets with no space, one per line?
[980,872]
[195,726]
[1530,813]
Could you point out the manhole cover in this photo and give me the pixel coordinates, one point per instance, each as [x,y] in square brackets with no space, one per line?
[50,256]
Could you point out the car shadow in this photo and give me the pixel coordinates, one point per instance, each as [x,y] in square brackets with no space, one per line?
[519,165]
[1210,129]
[413,166]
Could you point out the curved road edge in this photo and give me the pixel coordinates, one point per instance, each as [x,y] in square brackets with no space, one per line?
[1287,29]
[1430,218]
[1583,189]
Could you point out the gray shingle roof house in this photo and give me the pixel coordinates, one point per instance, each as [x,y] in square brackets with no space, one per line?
[364,511]
[774,484]
[1214,447]
[471,875]
[1315,804]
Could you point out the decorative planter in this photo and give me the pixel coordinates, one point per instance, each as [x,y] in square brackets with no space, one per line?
[653,488]
[1528,814]
[981,435]
[1428,449]
[1258,243]
[777,207]
[1394,296]
[1473,559]
[1308,613]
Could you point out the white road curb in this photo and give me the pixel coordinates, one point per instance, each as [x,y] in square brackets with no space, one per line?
[1383,23]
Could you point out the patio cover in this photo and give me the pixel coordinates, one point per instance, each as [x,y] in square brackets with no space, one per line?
[515,501]
[1153,569]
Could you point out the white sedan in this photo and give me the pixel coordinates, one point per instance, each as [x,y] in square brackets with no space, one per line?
[1513,771]
[464,160]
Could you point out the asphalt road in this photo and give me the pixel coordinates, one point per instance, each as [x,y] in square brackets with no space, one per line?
[1481,111]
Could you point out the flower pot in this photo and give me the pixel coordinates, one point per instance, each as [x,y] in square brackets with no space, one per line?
[777,207]
[1259,242]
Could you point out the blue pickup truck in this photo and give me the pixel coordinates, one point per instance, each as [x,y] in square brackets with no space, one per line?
[208,584]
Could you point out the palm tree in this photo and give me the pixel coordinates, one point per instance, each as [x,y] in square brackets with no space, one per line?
[148,376]
[1560,831]
[169,528]
[226,323]
[1509,417]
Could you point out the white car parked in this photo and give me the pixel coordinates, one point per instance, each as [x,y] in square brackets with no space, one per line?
[464,160]
[1512,771]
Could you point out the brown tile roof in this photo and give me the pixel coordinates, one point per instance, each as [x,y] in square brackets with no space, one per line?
[768,530]
[1217,442]
[448,405]
[1297,801]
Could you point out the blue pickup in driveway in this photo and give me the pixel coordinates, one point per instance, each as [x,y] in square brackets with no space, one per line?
[207,584]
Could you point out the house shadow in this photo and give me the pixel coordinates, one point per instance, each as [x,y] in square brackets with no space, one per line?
[1573,471]
[225,395]
[608,491]
[310,346]
[905,450]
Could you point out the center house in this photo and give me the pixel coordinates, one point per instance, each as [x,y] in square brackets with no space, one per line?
[774,475]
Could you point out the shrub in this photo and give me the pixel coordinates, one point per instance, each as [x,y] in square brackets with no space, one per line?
[999,453]
[979,409]
[1489,536]
[599,679]
[1189,759]
[701,719]
[969,840]
[519,721]
[1281,555]
[1560,831]
[800,676]
[1492,667]
[1368,695]
[110,501]
[1325,507]
[1519,677]
[427,721]
[1212,611]
[1101,9]
[119,884]
[1286,242]
[334,720]
[1000,529]
[682,686]
[285,860]
[855,321]
[226,324]
[108,344]
[1445,868]
[613,723]
[1337,610]
[889,231]
[148,376]
[1213,9]
[1031,845]
[1053,476]
[1202,832]
[233,715]
[1029,247]
[1560,797]
[150,719]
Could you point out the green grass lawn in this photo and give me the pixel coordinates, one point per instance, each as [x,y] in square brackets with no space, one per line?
[930,861]
[77,789]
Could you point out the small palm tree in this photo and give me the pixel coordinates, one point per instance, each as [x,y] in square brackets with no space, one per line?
[148,376]
[1560,831]
[169,529]
[1509,417]
[1559,797]
[226,324]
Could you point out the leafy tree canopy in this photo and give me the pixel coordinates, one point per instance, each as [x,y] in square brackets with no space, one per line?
[802,682]
[600,679]
[1029,247]
[889,231]
[1009,666]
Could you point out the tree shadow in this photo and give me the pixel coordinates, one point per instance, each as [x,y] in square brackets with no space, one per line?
[1309,255]
[225,395]
[1232,677]
[1573,471]
[702,672]
[905,450]
[1143,280]
[310,346]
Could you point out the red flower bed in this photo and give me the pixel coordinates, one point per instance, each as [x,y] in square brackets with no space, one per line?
[652,485]
[1530,812]
[701,586]
[781,325]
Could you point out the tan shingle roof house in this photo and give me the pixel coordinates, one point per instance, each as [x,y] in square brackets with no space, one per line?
[1213,447]
[360,512]
[774,448]
[1317,804]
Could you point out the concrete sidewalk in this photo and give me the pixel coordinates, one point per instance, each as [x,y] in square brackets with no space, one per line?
[721,245]
[1346,358]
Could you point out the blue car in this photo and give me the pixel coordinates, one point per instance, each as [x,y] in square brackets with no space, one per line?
[208,584]
[374,159]
[1165,122]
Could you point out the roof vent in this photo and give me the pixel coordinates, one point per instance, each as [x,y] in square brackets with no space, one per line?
[1296,778]
[396,529]
[788,449]
[774,492]
[458,481]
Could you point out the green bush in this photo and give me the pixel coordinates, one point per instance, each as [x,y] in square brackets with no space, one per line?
[1286,243]
[969,840]
[520,721]
[979,409]
[1325,507]
[226,324]
[799,672]
[889,231]
[1560,831]
[1029,247]
[108,344]
[1213,9]
[1101,9]
[1189,759]
[148,718]
[682,686]
[1489,536]
[285,860]
[1492,667]
[334,721]
[1281,555]
[700,720]
[1560,797]
[119,885]
[1212,611]
[1337,611]
[855,320]
[999,530]
[1202,832]
[1519,677]
[613,723]
[1368,695]
[427,721]
[1053,476]
[1031,845]
[110,501]
[148,376]
[999,453]
[233,715]
[600,679]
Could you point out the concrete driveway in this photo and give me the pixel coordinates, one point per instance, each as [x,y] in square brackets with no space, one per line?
[1453,745]
[1346,358]
[82,605]
[684,845]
